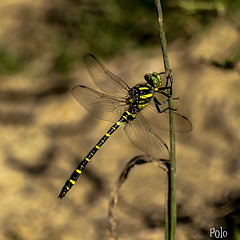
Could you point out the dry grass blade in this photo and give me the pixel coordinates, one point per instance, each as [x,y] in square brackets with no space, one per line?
[114,195]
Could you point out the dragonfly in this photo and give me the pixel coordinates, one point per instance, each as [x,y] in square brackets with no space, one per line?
[137,109]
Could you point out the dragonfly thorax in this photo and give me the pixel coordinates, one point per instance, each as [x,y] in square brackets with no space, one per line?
[139,96]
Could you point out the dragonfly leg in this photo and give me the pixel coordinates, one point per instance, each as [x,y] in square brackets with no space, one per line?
[164,110]
[169,95]
[157,104]
[165,94]
[169,79]
[168,85]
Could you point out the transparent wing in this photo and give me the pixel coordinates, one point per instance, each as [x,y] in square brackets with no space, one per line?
[102,106]
[161,120]
[103,78]
[144,138]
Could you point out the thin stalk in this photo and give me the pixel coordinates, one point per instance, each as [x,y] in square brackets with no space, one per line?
[171,214]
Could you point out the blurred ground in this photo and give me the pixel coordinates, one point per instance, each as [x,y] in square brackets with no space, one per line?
[45,133]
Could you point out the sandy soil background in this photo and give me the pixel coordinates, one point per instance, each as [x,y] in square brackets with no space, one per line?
[44,133]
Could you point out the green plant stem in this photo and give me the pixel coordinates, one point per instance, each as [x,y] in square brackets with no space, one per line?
[171,214]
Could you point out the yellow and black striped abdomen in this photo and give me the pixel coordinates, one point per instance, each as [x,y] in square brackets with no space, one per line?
[125,118]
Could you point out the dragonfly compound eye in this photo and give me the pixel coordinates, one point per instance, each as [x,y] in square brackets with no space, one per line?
[153,79]
[156,78]
[147,77]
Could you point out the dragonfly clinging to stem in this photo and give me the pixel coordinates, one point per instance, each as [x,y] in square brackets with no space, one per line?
[137,109]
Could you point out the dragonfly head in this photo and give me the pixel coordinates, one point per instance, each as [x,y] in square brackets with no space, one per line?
[154,79]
